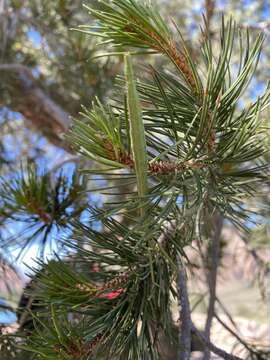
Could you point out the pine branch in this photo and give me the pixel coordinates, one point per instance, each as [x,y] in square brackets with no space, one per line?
[185,318]
[186,325]
[209,6]
[134,24]
[241,341]
[43,203]
[191,150]
[36,106]
[223,354]
[217,223]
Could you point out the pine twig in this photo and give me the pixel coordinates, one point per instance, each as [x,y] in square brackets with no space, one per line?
[226,312]
[233,333]
[187,327]
[35,105]
[25,313]
[209,9]
[185,318]
[211,347]
[212,276]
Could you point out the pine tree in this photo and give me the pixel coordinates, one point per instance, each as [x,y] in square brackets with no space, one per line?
[190,157]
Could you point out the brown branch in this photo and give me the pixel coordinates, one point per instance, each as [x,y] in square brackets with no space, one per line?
[241,341]
[155,167]
[209,13]
[185,318]
[167,47]
[211,347]
[226,312]
[166,167]
[23,318]
[184,331]
[34,104]
[191,339]
[180,61]
[217,223]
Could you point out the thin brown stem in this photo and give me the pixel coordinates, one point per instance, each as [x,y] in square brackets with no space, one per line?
[217,223]
[211,347]
[232,332]
[185,318]
[209,12]
[226,312]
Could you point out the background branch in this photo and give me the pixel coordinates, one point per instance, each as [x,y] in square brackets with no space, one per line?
[223,354]
[217,223]
[185,319]
[34,104]
[209,6]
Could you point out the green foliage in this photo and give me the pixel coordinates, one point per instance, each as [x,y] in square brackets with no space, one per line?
[114,303]
[59,339]
[207,150]
[43,204]
[203,155]
[139,25]
[101,135]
